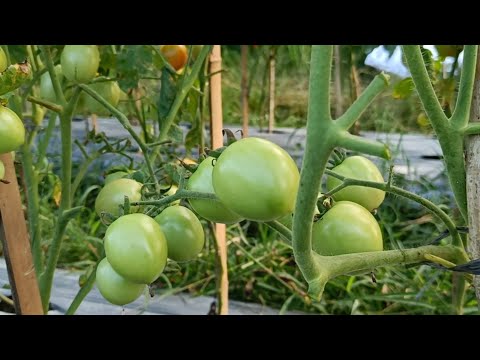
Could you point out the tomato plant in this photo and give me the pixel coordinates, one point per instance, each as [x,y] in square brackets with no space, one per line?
[215,211]
[3,60]
[115,288]
[183,231]
[346,228]
[80,62]
[12,131]
[113,195]
[136,248]
[358,167]
[176,55]
[109,90]
[257,179]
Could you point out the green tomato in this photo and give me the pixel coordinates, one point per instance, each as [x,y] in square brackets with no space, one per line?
[183,231]
[361,168]
[109,90]
[256,179]
[46,87]
[3,60]
[136,248]
[215,211]
[115,288]
[80,62]
[115,176]
[12,131]
[113,195]
[346,228]
[2,170]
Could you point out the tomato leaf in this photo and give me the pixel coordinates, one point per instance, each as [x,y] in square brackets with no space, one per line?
[175,133]
[133,62]
[168,91]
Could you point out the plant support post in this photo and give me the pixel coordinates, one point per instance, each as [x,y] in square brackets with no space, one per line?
[216,124]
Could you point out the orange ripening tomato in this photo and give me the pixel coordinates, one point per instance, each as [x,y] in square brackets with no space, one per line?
[176,55]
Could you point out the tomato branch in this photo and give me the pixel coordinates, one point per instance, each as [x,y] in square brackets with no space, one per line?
[449,134]
[461,113]
[366,146]
[333,266]
[379,84]
[126,124]
[180,194]
[82,293]
[45,103]
[472,129]
[281,229]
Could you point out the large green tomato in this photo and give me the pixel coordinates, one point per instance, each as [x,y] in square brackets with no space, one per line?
[12,131]
[115,288]
[346,228]
[2,170]
[361,168]
[3,60]
[113,195]
[215,211]
[257,179]
[109,90]
[80,62]
[184,233]
[136,248]
[46,87]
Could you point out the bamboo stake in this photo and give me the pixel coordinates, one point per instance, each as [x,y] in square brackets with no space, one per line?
[216,125]
[244,87]
[271,96]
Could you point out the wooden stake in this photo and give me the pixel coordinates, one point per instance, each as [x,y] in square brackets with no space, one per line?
[244,87]
[216,127]
[271,96]
[473,179]
[16,245]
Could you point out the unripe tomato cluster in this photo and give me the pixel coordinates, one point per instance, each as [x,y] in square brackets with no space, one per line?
[136,245]
[349,226]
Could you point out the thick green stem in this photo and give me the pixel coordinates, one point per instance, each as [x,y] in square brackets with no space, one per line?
[46,279]
[366,146]
[378,84]
[424,88]
[126,124]
[449,136]
[461,113]
[319,145]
